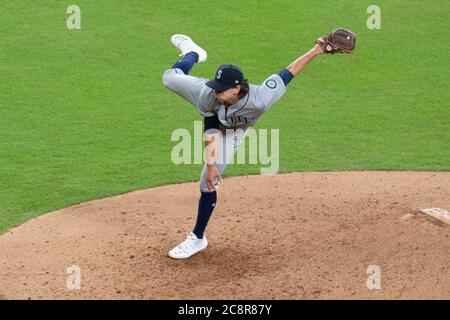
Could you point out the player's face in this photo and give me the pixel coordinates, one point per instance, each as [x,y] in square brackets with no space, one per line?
[228,96]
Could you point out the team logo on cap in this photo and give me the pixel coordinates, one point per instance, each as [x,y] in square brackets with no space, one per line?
[219,74]
[271,83]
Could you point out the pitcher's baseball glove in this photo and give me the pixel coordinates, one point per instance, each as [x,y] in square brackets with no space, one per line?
[338,41]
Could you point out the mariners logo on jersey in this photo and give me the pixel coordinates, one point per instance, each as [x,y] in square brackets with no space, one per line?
[271,83]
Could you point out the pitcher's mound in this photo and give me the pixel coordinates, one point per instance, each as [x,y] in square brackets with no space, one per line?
[289,236]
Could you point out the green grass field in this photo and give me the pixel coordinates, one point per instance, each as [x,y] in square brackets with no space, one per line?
[84,113]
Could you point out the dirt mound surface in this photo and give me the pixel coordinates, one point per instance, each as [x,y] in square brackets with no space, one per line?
[289,236]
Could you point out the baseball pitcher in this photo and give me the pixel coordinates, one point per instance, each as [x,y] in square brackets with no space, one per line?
[227,102]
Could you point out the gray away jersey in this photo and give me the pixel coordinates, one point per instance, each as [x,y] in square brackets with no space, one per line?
[243,114]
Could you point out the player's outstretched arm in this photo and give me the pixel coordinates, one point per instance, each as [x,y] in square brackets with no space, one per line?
[269,92]
[300,63]
[338,41]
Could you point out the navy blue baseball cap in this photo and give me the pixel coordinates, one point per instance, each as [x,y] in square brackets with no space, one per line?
[227,76]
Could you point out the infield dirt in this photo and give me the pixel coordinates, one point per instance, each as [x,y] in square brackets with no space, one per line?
[288,236]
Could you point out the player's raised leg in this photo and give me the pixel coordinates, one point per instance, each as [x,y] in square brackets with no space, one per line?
[176,78]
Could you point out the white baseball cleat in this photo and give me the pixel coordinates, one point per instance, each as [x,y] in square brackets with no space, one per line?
[188,247]
[186,45]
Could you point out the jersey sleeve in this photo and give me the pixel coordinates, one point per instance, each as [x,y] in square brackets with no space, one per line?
[270,91]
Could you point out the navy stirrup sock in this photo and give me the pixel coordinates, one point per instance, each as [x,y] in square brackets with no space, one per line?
[206,206]
[187,62]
